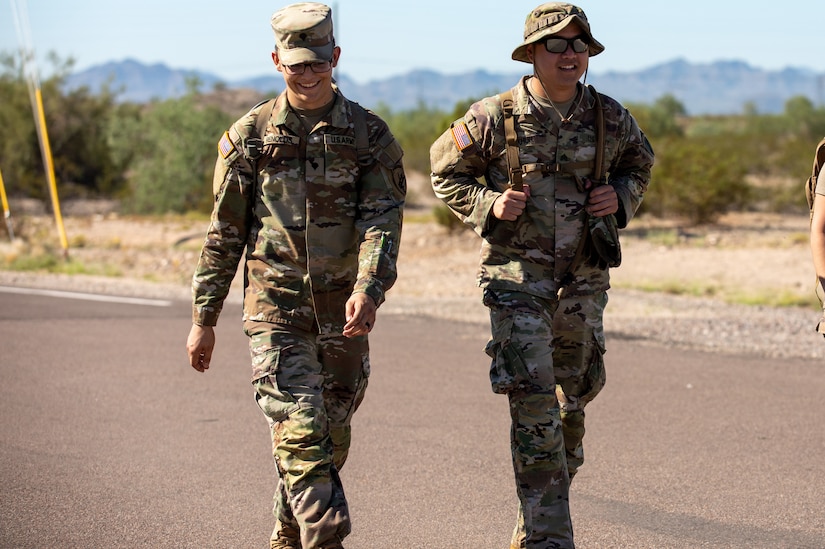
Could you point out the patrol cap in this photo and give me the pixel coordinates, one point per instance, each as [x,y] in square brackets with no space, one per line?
[303,33]
[552,18]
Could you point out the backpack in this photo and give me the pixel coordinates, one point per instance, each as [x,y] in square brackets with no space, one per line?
[599,245]
[810,194]
[810,184]
[253,147]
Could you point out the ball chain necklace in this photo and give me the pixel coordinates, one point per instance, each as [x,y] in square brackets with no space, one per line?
[579,92]
[572,111]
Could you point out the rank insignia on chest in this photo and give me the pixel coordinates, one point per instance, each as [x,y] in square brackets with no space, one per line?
[225,146]
[461,136]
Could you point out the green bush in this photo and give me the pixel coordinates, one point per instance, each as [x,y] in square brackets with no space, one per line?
[445,217]
[159,157]
[698,179]
[173,155]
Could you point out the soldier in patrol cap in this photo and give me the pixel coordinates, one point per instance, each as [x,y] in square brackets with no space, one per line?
[546,173]
[309,190]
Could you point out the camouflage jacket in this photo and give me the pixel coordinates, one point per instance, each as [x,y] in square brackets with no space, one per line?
[315,222]
[534,253]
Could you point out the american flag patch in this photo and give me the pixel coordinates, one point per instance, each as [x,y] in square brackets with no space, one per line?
[225,146]
[461,136]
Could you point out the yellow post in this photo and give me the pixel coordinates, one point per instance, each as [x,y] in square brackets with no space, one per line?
[49,165]
[6,210]
[21,20]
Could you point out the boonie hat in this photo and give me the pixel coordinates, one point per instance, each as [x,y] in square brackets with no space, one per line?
[552,18]
[303,33]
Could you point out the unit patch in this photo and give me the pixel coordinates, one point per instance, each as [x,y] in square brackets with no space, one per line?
[225,146]
[461,136]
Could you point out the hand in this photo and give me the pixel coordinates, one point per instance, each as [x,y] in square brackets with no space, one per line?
[602,201]
[510,204]
[360,314]
[199,346]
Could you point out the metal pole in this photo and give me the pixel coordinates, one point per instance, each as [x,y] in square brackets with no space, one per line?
[336,31]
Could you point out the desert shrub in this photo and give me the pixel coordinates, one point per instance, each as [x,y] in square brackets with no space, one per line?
[172,157]
[445,217]
[697,179]
[76,123]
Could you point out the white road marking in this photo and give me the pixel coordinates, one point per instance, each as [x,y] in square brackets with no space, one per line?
[87,297]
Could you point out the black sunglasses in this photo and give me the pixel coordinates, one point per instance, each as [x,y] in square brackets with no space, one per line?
[557,44]
[316,67]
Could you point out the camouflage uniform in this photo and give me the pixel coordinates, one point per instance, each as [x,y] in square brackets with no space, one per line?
[315,224]
[546,352]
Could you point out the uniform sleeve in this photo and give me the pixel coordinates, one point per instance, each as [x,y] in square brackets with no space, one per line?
[460,164]
[228,231]
[383,189]
[629,171]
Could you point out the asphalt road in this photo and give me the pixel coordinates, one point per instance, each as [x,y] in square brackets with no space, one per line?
[109,440]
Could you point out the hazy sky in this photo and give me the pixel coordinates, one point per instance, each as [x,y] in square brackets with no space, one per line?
[380,38]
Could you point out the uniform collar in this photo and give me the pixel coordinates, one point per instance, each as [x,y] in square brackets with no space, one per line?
[338,116]
[523,103]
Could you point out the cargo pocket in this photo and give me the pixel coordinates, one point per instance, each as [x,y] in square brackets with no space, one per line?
[508,371]
[595,378]
[275,402]
[359,391]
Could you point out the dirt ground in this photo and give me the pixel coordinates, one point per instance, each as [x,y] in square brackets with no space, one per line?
[760,257]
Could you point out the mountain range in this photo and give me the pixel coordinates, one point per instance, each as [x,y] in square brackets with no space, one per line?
[721,87]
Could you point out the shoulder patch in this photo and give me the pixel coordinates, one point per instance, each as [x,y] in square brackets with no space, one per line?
[225,146]
[461,135]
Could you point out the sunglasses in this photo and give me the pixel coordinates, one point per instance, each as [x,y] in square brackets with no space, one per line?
[557,44]
[316,67]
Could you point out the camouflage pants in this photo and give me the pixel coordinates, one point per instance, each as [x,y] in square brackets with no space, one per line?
[308,387]
[547,357]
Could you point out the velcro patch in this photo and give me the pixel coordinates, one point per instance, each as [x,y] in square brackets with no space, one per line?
[332,139]
[461,136]
[225,146]
[275,139]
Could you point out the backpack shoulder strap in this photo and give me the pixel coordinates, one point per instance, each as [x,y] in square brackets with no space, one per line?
[362,138]
[513,163]
[598,169]
[810,184]
[263,117]
[598,176]
[252,145]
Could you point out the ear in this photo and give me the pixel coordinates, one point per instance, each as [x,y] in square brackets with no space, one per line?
[336,53]
[276,60]
[530,52]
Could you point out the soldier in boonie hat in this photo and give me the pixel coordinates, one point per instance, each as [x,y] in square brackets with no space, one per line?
[549,19]
[554,169]
[303,33]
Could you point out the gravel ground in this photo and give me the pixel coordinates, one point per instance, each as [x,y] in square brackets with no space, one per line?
[652,318]
[649,318]
[758,254]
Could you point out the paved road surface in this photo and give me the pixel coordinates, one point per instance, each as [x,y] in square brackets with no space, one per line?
[109,440]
